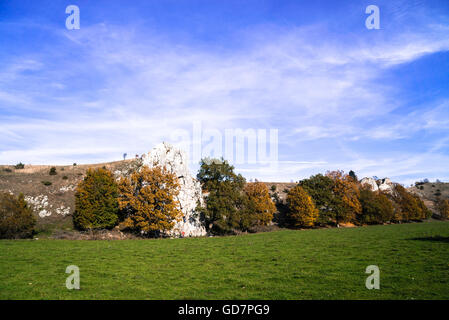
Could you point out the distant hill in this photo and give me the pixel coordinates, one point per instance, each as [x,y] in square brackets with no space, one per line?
[51,196]
[431,192]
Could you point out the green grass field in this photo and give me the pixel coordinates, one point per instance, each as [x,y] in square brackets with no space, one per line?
[313,264]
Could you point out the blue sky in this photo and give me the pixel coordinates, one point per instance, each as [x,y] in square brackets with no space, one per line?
[340,95]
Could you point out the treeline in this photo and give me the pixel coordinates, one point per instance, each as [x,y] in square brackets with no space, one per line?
[336,198]
[145,203]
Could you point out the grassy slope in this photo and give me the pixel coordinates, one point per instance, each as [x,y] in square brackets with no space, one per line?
[313,264]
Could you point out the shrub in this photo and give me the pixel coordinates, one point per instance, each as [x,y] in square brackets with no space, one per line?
[46,183]
[52,171]
[225,201]
[7,170]
[20,165]
[260,208]
[148,199]
[301,209]
[96,201]
[16,217]
[443,208]
[65,178]
[376,207]
[320,188]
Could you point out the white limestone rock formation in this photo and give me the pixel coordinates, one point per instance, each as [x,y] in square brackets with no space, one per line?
[370,182]
[386,185]
[176,161]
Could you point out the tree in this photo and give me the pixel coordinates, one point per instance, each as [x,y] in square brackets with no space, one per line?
[148,199]
[301,209]
[259,204]
[20,165]
[409,206]
[224,200]
[443,208]
[96,201]
[346,204]
[353,176]
[376,207]
[52,171]
[16,217]
[320,188]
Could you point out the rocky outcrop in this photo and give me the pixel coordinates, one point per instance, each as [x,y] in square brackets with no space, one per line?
[176,161]
[369,182]
[386,185]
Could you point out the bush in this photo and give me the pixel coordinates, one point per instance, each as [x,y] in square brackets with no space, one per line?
[46,183]
[376,207]
[65,178]
[148,199]
[96,201]
[301,209]
[7,170]
[16,217]
[52,171]
[259,208]
[20,165]
[443,208]
[225,201]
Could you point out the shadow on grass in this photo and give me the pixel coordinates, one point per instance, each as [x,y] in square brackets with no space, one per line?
[433,239]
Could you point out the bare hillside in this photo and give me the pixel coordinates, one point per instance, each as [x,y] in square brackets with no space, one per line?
[51,196]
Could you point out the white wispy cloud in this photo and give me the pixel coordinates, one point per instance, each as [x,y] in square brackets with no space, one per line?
[125,91]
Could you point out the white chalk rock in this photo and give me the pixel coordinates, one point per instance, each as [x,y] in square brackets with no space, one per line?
[386,185]
[370,182]
[176,161]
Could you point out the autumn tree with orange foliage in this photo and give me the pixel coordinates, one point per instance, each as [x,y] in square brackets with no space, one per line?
[408,206]
[259,204]
[346,205]
[301,208]
[148,198]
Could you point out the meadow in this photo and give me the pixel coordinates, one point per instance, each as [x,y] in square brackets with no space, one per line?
[288,264]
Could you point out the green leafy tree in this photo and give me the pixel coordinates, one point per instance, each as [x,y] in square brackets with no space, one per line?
[224,198]
[376,207]
[96,201]
[353,176]
[16,217]
[320,188]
